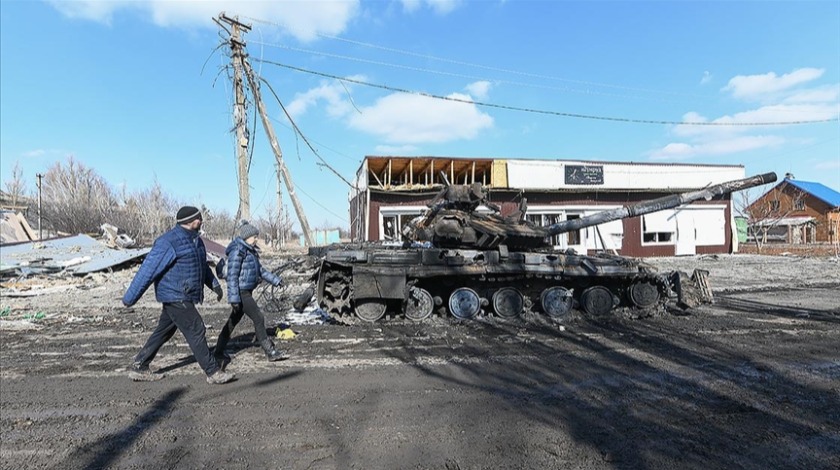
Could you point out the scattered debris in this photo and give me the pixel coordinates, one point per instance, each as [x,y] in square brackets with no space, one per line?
[285,334]
[14,228]
[78,254]
[32,291]
[311,315]
[116,239]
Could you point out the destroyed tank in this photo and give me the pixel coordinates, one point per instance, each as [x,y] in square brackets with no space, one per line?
[460,260]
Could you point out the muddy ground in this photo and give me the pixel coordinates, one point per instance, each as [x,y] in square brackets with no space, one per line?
[752,381]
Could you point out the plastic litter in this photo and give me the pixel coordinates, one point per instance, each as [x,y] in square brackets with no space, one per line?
[285,334]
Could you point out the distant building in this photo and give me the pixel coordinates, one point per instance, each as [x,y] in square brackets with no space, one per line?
[796,212]
[390,191]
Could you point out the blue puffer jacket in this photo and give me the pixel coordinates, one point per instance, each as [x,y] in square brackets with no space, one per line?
[177,265]
[244,271]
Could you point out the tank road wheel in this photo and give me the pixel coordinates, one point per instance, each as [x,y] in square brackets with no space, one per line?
[464,303]
[508,302]
[419,305]
[597,301]
[556,301]
[644,294]
[370,310]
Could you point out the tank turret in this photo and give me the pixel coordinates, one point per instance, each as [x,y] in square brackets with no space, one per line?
[453,218]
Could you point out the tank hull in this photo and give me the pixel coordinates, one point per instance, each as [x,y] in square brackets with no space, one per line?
[397,280]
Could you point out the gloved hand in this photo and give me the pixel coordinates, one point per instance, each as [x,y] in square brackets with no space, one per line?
[219,293]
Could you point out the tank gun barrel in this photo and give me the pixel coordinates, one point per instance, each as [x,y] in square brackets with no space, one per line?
[662,203]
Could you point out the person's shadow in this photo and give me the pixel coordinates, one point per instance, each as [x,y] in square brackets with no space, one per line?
[235,345]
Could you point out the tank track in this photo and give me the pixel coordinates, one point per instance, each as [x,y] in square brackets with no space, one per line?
[338,293]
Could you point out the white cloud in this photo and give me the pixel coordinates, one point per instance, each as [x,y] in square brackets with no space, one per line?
[441,7]
[784,100]
[751,87]
[777,113]
[707,77]
[334,93]
[34,153]
[826,94]
[478,90]
[304,20]
[100,11]
[413,119]
[683,151]
[828,165]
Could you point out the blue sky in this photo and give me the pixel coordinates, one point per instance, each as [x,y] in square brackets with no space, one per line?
[134,89]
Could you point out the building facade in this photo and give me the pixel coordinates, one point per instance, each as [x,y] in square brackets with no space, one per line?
[796,212]
[390,191]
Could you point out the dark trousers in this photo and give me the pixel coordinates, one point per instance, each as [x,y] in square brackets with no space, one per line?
[250,308]
[184,317]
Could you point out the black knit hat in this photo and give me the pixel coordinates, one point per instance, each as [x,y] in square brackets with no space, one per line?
[187,214]
[247,230]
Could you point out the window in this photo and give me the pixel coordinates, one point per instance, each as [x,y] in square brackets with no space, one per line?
[657,237]
[774,206]
[799,205]
[545,220]
[389,227]
[658,228]
[393,220]
[573,237]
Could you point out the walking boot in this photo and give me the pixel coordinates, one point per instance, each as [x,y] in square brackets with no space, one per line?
[271,353]
[223,360]
[220,377]
[141,373]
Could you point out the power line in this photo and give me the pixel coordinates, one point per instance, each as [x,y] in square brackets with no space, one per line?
[340,154]
[300,133]
[454,74]
[317,202]
[554,113]
[471,64]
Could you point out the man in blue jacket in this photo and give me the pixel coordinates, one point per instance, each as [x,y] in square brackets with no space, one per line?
[177,265]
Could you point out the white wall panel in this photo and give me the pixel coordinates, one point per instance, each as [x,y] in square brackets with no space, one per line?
[709,225]
[662,221]
[539,174]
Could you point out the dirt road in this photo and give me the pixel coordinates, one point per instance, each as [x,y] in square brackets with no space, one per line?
[752,381]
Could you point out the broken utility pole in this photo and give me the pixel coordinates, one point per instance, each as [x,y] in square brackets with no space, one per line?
[281,229]
[240,116]
[269,129]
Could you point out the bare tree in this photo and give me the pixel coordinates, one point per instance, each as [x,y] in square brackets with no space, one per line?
[145,214]
[218,225]
[16,186]
[75,198]
[766,214]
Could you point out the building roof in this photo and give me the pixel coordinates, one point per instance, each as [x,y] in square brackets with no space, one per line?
[818,190]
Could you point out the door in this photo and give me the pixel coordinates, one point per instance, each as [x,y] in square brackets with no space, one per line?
[686,234]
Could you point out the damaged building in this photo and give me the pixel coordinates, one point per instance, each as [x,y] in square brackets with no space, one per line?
[390,191]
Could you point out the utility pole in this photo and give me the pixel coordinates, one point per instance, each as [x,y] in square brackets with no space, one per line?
[240,115]
[40,230]
[281,231]
[269,131]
